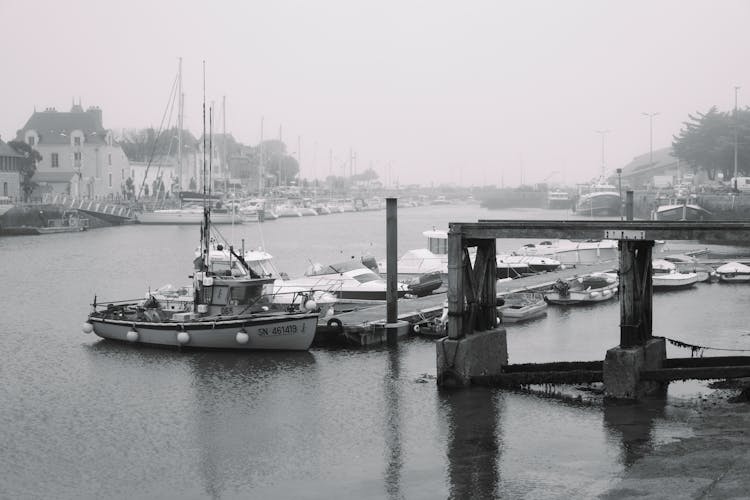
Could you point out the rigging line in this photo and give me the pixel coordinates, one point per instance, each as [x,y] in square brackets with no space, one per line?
[679,343]
[170,105]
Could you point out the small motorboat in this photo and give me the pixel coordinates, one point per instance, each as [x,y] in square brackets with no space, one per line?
[522,306]
[595,287]
[734,272]
[666,276]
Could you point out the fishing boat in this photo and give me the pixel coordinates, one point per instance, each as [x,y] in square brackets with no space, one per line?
[735,272]
[224,308]
[522,306]
[573,252]
[681,211]
[595,287]
[665,276]
[599,198]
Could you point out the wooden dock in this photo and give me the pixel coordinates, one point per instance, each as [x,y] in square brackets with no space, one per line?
[365,327]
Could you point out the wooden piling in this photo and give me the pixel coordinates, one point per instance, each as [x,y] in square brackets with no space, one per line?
[635,292]
[391,242]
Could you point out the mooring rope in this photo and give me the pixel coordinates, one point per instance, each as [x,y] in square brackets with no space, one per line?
[698,349]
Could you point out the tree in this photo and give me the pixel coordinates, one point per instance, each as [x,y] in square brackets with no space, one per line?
[706,142]
[28,166]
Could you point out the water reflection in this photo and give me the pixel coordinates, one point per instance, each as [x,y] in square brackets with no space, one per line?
[392,396]
[632,425]
[473,444]
[239,421]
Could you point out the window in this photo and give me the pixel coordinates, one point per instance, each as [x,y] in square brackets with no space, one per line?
[109,159]
[55,159]
[77,156]
[31,140]
[76,141]
[122,173]
[5,189]
[110,179]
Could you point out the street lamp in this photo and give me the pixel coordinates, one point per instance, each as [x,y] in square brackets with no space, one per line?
[736,89]
[619,187]
[651,136]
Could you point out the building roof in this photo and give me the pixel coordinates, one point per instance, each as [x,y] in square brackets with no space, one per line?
[660,159]
[6,150]
[54,127]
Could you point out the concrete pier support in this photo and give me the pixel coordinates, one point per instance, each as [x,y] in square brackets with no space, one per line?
[623,366]
[479,354]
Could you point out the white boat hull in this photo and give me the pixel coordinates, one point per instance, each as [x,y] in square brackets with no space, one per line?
[264,332]
[674,280]
[734,277]
[522,307]
[185,217]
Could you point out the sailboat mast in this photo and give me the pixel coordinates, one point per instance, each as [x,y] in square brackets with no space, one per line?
[260,160]
[179,126]
[205,231]
[224,164]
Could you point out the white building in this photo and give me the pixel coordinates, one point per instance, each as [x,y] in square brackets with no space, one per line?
[79,157]
[163,167]
[10,177]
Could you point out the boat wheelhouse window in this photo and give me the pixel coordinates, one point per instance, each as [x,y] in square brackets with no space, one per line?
[365,277]
[438,245]
[220,295]
[222,268]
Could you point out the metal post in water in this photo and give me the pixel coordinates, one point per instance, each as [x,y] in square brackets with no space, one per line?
[391,224]
[629,205]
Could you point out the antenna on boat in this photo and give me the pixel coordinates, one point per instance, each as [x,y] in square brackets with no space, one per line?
[205,235]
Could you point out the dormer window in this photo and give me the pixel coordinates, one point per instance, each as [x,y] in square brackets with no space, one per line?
[76,141]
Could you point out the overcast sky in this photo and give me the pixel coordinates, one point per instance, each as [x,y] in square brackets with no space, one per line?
[471,93]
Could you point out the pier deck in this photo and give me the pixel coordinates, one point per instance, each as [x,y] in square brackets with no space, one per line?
[364,327]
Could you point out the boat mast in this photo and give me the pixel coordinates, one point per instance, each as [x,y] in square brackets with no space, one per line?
[205,230]
[179,127]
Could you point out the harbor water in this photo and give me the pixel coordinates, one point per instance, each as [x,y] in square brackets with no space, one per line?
[81,417]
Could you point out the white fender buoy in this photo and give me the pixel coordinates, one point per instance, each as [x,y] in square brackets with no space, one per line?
[311,305]
[132,336]
[242,337]
[87,327]
[183,337]
[417,328]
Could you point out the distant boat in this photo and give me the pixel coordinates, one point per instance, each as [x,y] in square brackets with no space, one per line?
[435,259]
[558,198]
[681,211]
[599,199]
[573,252]
[187,215]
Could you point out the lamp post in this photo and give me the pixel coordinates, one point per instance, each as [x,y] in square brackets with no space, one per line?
[650,136]
[736,89]
[619,188]
[602,133]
